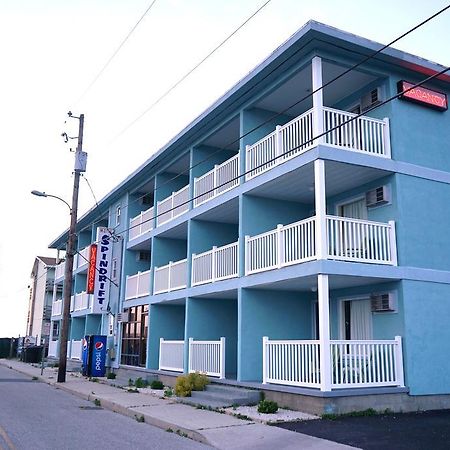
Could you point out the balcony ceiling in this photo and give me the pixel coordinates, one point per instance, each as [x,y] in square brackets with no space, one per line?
[225,213]
[178,232]
[225,136]
[300,85]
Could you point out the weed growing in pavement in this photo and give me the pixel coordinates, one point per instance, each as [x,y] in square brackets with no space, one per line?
[169,430]
[242,417]
[140,419]
[133,391]
[111,376]
[35,378]
[130,382]
[182,433]
[140,383]
[267,407]
[93,379]
[156,384]
[168,392]
[97,402]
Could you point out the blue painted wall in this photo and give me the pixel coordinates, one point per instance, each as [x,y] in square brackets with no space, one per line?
[211,319]
[167,322]
[77,328]
[166,183]
[94,324]
[427,337]
[204,235]
[276,314]
[165,250]
[204,158]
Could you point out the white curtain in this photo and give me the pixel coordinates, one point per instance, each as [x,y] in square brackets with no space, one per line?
[361,320]
[355,210]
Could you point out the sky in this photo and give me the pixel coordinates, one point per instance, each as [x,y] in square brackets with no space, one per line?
[52,50]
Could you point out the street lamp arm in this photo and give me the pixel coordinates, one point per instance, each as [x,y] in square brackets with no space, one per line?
[43,194]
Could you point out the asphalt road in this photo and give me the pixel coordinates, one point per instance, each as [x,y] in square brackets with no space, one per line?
[35,416]
[409,431]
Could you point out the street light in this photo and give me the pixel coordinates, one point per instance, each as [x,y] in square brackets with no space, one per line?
[68,279]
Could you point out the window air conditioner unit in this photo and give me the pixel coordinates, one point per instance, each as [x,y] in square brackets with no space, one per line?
[370,99]
[382,302]
[378,196]
[123,316]
[143,256]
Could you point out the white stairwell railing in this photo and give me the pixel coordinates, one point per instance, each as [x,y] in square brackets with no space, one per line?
[361,240]
[137,285]
[207,357]
[220,179]
[295,363]
[219,263]
[171,355]
[170,277]
[173,206]
[141,224]
[286,245]
[367,363]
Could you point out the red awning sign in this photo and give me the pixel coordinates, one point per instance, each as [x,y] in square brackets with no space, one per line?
[91,271]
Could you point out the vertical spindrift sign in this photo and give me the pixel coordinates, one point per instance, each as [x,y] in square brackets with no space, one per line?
[103,272]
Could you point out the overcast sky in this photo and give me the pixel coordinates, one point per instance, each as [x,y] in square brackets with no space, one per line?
[52,50]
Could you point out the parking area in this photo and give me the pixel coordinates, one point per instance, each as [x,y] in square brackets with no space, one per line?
[411,431]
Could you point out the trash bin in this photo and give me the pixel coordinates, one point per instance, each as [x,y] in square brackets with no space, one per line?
[32,354]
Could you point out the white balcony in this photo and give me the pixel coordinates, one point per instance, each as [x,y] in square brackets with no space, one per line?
[217,181]
[207,357]
[138,285]
[84,303]
[170,277]
[364,135]
[57,307]
[347,240]
[76,348]
[53,349]
[219,263]
[173,206]
[171,355]
[59,271]
[354,364]
[82,260]
[142,223]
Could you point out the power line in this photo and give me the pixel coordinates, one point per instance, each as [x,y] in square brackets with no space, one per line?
[115,52]
[271,118]
[190,71]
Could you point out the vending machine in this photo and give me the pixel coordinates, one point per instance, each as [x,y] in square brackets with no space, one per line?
[93,356]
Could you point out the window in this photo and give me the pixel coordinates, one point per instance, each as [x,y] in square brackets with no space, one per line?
[118,215]
[55,331]
[111,325]
[114,269]
[134,337]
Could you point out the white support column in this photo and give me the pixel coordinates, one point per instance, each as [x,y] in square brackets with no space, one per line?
[161,341]
[387,138]
[393,242]
[321,209]
[191,340]
[265,359]
[324,332]
[399,362]
[246,255]
[222,358]
[318,128]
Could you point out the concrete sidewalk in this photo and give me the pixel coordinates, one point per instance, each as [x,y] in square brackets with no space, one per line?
[221,431]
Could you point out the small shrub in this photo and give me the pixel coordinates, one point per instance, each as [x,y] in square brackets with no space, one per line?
[198,381]
[267,407]
[97,402]
[140,419]
[156,384]
[140,383]
[185,384]
[111,376]
[168,392]
[130,382]
[169,430]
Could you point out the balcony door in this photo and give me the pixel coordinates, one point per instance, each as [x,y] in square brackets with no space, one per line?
[355,209]
[356,320]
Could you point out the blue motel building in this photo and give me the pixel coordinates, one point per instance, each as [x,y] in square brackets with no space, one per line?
[293,238]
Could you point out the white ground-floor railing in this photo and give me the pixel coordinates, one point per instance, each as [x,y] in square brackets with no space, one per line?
[59,271]
[207,357]
[138,285]
[83,257]
[53,349]
[76,349]
[295,363]
[141,224]
[286,245]
[361,240]
[171,355]
[220,179]
[173,206]
[57,308]
[170,277]
[219,263]
[364,134]
[367,363]
[81,301]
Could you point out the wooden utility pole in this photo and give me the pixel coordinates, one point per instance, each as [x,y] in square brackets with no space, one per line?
[80,166]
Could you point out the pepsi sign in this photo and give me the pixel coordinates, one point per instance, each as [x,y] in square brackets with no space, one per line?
[98,356]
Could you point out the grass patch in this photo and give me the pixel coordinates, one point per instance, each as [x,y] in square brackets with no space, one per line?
[364,413]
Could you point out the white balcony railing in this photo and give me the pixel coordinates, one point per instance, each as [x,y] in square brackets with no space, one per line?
[219,263]
[354,364]
[59,271]
[281,247]
[361,240]
[53,349]
[83,257]
[76,349]
[171,355]
[347,240]
[173,206]
[81,301]
[138,285]
[141,224]
[57,308]
[364,134]
[207,357]
[217,181]
[170,277]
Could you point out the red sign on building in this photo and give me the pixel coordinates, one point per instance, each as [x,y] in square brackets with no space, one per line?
[422,95]
[91,271]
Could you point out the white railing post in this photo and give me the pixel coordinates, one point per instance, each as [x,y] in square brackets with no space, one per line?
[191,340]
[214,193]
[324,332]
[246,255]
[193,269]
[318,128]
[247,163]
[387,137]
[399,361]
[169,276]
[265,359]
[213,263]
[393,242]
[222,358]
[278,144]
[280,246]
[161,341]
